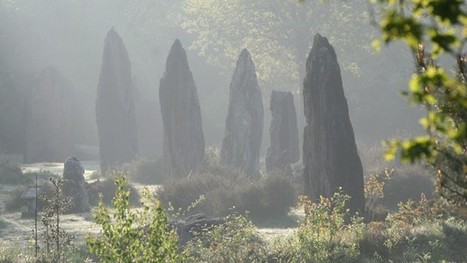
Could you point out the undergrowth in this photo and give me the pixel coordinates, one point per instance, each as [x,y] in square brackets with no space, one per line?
[224,191]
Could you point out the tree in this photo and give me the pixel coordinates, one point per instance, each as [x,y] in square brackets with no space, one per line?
[277,33]
[433,29]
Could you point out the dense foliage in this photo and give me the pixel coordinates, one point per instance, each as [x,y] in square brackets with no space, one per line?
[133,236]
[221,191]
[56,241]
[236,240]
[432,28]
[327,234]
[277,34]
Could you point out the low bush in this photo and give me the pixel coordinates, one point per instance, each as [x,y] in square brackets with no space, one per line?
[14,202]
[327,234]
[416,232]
[57,243]
[107,189]
[408,183]
[270,197]
[132,236]
[225,191]
[405,182]
[12,174]
[374,193]
[236,240]
[148,171]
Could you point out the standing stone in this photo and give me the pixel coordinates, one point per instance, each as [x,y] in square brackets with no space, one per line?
[48,118]
[330,154]
[181,115]
[244,123]
[74,185]
[284,148]
[115,109]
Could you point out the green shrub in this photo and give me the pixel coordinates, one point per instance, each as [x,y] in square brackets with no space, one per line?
[225,191]
[58,244]
[442,240]
[324,235]
[416,232]
[374,193]
[132,236]
[234,241]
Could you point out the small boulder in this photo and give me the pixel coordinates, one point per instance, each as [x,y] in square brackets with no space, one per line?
[74,185]
[195,224]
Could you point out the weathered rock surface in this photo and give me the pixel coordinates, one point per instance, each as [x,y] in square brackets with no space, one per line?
[284,149]
[195,224]
[115,109]
[330,154]
[74,185]
[48,119]
[183,144]
[244,124]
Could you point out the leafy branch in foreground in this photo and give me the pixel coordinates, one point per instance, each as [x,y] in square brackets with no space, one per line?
[325,235]
[441,26]
[129,235]
[57,240]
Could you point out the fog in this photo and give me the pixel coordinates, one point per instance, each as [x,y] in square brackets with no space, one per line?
[69,36]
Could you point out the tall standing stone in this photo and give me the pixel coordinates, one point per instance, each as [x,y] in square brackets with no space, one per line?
[284,148]
[330,154]
[181,114]
[244,123]
[48,118]
[115,109]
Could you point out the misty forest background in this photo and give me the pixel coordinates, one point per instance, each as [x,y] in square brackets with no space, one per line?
[69,37]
